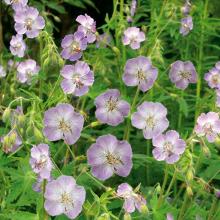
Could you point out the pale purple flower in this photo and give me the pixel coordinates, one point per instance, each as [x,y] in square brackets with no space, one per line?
[17,46]
[87,26]
[132,200]
[170,216]
[16,3]
[73,45]
[133,37]
[26,70]
[217,97]
[110,108]
[40,161]
[186,8]
[77,78]
[168,147]
[151,118]
[213,77]
[11,141]
[64,196]
[62,122]
[208,125]
[2,72]
[186,25]
[110,156]
[29,22]
[182,73]
[140,72]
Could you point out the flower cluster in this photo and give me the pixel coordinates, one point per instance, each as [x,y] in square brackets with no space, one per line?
[74,44]
[27,22]
[186,21]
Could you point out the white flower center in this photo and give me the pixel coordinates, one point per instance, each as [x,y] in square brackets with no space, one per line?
[67,201]
[140,75]
[63,126]
[215,79]
[150,122]
[75,48]
[111,104]
[28,24]
[113,160]
[208,129]
[41,163]
[168,147]
[185,74]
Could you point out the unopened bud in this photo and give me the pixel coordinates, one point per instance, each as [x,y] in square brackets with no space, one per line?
[189,175]
[158,188]
[189,191]
[116,50]
[104,216]
[127,216]
[206,151]
[6,115]
[144,209]
[95,123]
[38,135]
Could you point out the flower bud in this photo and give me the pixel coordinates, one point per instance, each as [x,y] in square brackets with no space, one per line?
[95,123]
[158,188]
[189,175]
[127,216]
[116,50]
[189,191]
[104,216]
[38,135]
[144,209]
[6,114]
[206,151]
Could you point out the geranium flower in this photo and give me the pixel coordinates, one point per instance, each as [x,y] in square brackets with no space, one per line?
[182,73]
[26,70]
[88,27]
[151,118]
[40,160]
[77,78]
[133,37]
[213,77]
[208,125]
[29,22]
[140,72]
[64,196]
[108,156]
[168,147]
[73,45]
[110,109]
[132,200]
[16,3]
[17,46]
[186,8]
[186,25]
[62,122]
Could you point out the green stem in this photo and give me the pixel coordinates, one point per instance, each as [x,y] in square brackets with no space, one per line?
[212,209]
[182,210]
[163,187]
[171,183]
[45,215]
[96,181]
[127,128]
[200,59]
